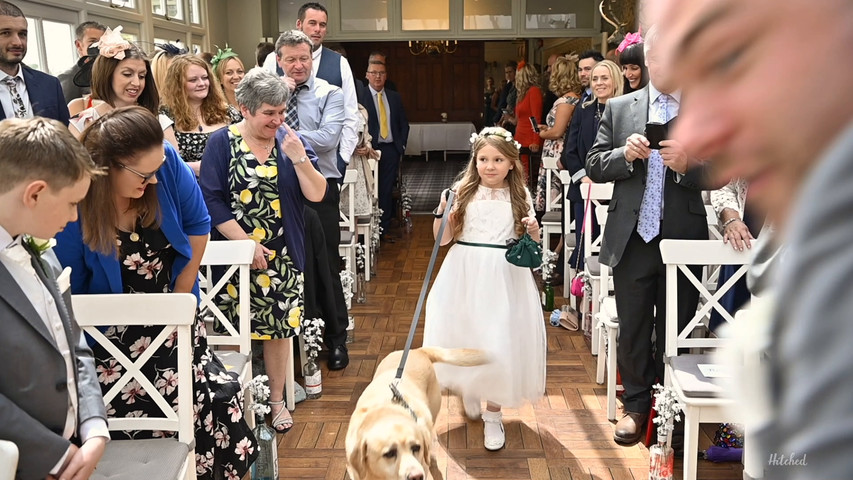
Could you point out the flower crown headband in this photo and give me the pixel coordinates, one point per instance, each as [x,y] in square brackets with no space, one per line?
[112,44]
[497,132]
[222,55]
[630,39]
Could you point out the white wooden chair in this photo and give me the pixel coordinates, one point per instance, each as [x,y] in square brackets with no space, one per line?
[346,247]
[704,400]
[160,458]
[598,194]
[365,223]
[8,460]
[553,208]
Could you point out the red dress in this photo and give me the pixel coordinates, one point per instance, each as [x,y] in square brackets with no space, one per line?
[529,106]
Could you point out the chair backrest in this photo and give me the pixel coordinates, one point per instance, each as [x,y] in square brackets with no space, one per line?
[235,256]
[347,221]
[374,171]
[8,460]
[713,223]
[598,195]
[550,166]
[175,312]
[677,256]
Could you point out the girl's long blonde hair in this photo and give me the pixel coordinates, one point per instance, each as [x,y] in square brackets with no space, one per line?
[214,108]
[469,180]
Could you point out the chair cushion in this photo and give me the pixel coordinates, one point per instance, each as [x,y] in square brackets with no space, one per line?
[686,373]
[234,361]
[160,458]
[593,266]
[363,220]
[552,217]
[346,237]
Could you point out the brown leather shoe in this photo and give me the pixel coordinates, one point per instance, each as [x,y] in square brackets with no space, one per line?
[629,428]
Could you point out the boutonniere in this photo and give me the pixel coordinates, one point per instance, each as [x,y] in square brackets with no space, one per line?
[37,245]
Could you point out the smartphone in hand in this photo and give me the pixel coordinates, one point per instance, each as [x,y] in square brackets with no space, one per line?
[656,133]
[534,124]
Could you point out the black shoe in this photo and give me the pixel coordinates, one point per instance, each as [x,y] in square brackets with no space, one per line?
[338,358]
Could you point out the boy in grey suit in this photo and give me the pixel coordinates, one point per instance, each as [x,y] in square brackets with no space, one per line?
[50,400]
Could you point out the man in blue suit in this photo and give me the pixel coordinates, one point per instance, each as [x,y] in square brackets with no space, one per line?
[389,128]
[24,92]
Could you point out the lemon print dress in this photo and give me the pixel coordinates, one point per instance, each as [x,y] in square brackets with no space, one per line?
[276,291]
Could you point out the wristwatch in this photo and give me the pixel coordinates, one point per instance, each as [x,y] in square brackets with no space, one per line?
[302,159]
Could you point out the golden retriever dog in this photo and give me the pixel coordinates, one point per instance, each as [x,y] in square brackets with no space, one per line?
[384,440]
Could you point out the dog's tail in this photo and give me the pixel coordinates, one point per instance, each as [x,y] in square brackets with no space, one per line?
[462,357]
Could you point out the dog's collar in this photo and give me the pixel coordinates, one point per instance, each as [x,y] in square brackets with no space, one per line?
[397,397]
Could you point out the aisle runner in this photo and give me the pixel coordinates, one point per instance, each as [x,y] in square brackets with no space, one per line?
[426,180]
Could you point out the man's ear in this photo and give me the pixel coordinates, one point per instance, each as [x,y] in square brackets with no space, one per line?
[33,191]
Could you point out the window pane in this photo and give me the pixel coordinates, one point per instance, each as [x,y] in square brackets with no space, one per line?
[421,15]
[558,14]
[59,44]
[195,11]
[33,58]
[488,15]
[130,4]
[364,16]
[168,8]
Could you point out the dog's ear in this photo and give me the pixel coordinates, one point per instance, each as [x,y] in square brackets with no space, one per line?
[358,458]
[426,444]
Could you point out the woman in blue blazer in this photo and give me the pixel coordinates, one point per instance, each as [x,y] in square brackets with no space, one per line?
[143,227]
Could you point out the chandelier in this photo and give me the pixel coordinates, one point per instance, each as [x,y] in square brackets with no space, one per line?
[432,47]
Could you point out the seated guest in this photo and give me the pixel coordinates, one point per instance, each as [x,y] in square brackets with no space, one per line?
[143,229]
[254,185]
[196,104]
[40,337]
[228,70]
[119,82]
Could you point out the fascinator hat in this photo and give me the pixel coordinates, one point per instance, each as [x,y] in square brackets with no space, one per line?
[171,49]
[630,39]
[222,55]
[110,45]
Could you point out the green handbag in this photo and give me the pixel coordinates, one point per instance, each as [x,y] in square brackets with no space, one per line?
[524,252]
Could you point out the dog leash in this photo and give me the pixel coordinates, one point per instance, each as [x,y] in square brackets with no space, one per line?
[398,396]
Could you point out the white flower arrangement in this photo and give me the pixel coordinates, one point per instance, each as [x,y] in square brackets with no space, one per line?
[548,264]
[667,407]
[312,335]
[495,131]
[359,257]
[347,284]
[405,197]
[260,391]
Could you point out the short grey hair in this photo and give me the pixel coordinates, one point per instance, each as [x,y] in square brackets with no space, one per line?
[292,38]
[261,86]
[650,39]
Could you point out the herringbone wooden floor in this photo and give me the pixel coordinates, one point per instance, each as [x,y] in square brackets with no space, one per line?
[565,435]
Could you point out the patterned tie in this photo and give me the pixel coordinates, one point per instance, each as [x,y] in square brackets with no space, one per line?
[292,118]
[17,101]
[648,225]
[383,117]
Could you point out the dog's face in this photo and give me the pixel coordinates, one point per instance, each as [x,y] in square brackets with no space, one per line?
[391,445]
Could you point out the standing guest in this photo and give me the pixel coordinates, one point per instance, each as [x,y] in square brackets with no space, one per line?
[51,359]
[550,97]
[566,85]
[228,70]
[254,185]
[330,66]
[586,61]
[478,299]
[796,157]
[506,102]
[529,104]
[316,111]
[389,128]
[632,59]
[379,57]
[142,229]
[606,82]
[121,76]
[24,92]
[488,101]
[86,34]
[656,195]
[166,52]
[262,51]
[196,105]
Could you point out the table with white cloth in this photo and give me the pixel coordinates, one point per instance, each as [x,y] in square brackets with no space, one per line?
[432,136]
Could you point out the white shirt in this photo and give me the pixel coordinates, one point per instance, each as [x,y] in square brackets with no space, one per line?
[6,95]
[375,95]
[45,305]
[349,134]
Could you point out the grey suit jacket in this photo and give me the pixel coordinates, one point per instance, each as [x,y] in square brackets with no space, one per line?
[684,212]
[33,384]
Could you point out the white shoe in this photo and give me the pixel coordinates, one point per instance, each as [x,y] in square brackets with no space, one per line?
[493,431]
[472,407]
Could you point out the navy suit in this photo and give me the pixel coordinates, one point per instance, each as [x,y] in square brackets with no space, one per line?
[45,94]
[392,152]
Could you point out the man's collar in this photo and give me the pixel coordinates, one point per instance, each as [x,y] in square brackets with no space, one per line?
[20,74]
[316,53]
[6,238]
[374,91]
[654,93]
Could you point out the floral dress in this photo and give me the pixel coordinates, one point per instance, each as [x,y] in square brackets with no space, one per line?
[276,292]
[553,149]
[225,446]
[191,144]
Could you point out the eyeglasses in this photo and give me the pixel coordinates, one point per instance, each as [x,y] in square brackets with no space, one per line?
[377,74]
[145,177]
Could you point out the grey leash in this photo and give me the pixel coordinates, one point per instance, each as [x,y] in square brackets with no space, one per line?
[398,397]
